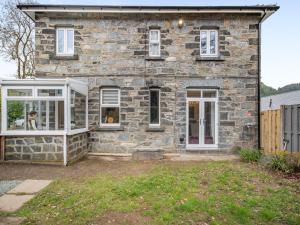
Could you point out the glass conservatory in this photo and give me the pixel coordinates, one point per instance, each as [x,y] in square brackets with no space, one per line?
[44,107]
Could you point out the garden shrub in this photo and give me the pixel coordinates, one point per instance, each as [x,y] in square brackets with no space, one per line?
[250,155]
[282,161]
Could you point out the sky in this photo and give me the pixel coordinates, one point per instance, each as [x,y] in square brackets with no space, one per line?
[280,35]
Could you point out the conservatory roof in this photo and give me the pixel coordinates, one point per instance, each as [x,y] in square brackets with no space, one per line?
[39,81]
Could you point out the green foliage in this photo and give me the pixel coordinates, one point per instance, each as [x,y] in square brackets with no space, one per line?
[281,163]
[267,90]
[15,110]
[250,155]
[288,88]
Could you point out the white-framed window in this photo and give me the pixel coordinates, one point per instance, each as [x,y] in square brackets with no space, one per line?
[209,43]
[78,110]
[154,111]
[154,43]
[34,109]
[65,41]
[110,107]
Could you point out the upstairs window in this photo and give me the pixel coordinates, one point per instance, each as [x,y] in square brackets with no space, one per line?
[154,43]
[65,41]
[154,107]
[209,43]
[110,107]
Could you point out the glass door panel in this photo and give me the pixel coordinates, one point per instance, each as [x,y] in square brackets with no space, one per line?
[194,122]
[209,123]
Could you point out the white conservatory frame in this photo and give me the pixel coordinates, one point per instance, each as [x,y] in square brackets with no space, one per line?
[34,84]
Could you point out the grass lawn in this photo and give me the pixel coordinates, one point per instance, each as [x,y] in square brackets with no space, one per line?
[171,193]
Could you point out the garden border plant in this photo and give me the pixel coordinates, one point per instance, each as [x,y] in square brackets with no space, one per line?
[282,161]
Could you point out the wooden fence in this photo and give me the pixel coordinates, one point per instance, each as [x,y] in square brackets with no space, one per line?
[271,138]
[280,129]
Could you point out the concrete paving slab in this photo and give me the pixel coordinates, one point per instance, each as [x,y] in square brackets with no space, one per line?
[30,187]
[11,220]
[11,203]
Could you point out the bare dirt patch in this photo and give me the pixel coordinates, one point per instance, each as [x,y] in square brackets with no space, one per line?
[117,218]
[85,168]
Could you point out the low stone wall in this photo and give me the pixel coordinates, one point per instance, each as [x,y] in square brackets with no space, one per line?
[77,146]
[34,148]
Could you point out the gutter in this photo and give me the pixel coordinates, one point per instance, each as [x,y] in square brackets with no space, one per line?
[259,78]
[31,9]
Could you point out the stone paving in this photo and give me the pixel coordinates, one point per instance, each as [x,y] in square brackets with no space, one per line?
[14,199]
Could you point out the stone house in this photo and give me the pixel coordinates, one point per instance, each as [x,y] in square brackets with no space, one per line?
[164,78]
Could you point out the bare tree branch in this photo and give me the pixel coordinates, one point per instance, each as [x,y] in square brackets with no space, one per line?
[17,38]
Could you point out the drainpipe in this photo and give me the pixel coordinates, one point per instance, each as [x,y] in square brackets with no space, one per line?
[259,76]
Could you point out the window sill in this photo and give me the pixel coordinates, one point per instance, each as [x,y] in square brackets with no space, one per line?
[109,129]
[155,129]
[152,58]
[64,57]
[216,58]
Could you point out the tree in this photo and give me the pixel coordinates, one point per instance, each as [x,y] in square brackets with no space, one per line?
[17,38]
[267,90]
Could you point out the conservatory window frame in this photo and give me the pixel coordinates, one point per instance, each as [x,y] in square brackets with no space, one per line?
[34,86]
[33,97]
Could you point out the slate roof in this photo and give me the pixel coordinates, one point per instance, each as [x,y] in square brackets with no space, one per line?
[289,98]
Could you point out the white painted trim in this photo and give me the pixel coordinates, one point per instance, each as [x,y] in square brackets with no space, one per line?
[154,124]
[201,100]
[208,54]
[32,133]
[65,51]
[105,10]
[65,153]
[6,88]
[37,81]
[77,131]
[34,85]
[67,115]
[154,42]
[80,87]
[37,88]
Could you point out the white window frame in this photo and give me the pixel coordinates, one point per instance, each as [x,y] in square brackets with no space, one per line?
[110,105]
[33,97]
[65,52]
[201,100]
[19,88]
[208,54]
[154,124]
[48,88]
[154,42]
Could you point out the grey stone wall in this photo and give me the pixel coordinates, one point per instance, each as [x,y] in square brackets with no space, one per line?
[77,146]
[34,148]
[112,50]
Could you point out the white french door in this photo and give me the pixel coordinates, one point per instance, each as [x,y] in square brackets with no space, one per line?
[202,119]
